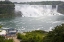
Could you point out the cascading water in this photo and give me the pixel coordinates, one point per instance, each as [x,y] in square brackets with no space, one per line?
[31,18]
[36,10]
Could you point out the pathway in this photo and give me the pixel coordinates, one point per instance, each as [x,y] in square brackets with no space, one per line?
[15,39]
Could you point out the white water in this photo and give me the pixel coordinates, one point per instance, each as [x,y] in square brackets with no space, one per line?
[35,17]
[36,10]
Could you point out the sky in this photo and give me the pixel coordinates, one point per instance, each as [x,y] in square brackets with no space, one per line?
[31,0]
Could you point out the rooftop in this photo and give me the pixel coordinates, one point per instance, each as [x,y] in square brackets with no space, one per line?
[8,31]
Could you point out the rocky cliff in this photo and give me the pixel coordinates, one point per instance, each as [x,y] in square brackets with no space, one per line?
[61,8]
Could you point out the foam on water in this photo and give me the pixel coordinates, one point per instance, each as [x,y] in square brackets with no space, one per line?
[32,20]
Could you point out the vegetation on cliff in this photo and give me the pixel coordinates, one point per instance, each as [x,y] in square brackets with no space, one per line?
[42,3]
[56,35]
[6,9]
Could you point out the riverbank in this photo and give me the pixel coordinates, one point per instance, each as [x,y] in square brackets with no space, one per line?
[56,35]
[38,36]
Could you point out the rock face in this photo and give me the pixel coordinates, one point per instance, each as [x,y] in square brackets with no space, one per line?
[61,8]
[53,6]
[18,13]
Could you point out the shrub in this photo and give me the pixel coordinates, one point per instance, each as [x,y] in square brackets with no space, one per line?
[34,36]
[56,35]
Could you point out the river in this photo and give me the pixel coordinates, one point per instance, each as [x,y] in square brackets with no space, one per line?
[34,17]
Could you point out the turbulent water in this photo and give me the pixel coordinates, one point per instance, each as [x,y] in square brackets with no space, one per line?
[34,17]
[36,10]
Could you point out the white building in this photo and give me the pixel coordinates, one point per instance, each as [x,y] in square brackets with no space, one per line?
[2,32]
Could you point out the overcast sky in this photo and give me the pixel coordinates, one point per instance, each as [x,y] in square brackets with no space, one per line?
[31,0]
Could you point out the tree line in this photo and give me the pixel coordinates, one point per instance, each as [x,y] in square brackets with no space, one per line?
[6,8]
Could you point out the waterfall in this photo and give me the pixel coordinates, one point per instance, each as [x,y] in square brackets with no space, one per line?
[56,7]
[36,10]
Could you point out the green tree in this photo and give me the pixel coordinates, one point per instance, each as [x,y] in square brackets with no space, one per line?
[0,26]
[56,35]
[6,9]
[34,36]
[2,39]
